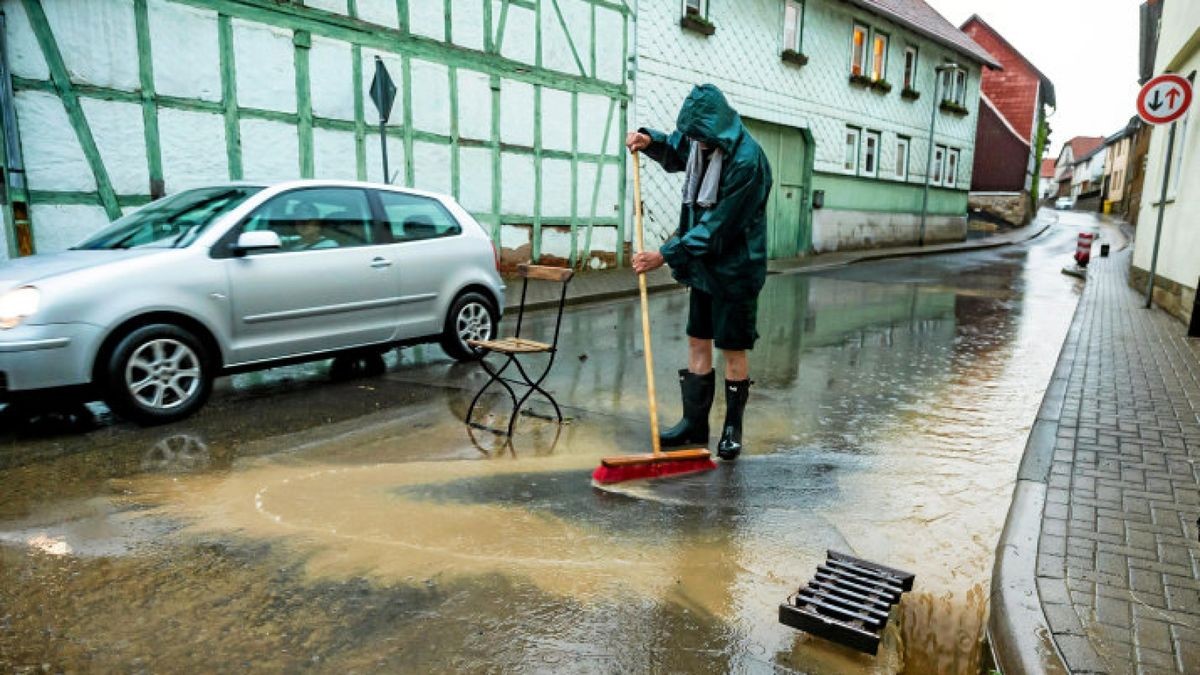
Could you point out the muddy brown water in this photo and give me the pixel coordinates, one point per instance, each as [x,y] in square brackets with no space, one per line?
[358,526]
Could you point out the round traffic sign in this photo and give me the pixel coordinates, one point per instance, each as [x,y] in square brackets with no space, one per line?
[1164,99]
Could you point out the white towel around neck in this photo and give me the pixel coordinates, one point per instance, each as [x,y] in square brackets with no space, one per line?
[697,189]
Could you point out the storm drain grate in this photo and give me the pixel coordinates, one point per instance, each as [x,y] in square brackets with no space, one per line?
[849,601]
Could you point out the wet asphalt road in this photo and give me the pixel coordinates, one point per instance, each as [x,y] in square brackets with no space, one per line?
[354,525]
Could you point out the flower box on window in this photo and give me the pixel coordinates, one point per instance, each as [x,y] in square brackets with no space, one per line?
[881,86]
[860,81]
[953,108]
[793,56]
[697,23]
[909,94]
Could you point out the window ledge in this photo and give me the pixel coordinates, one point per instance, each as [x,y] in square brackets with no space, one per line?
[794,57]
[953,108]
[860,81]
[909,94]
[697,24]
[881,86]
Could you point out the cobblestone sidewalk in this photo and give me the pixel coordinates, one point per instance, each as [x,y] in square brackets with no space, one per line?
[1118,563]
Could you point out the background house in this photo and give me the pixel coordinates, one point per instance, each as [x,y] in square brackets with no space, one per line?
[517,112]
[1068,157]
[1121,157]
[1046,185]
[1178,51]
[1012,126]
[840,95]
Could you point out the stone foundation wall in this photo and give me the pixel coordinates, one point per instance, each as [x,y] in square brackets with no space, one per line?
[1011,208]
[856,230]
[1171,296]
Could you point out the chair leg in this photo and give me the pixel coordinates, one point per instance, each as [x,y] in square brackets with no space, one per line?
[495,377]
[536,385]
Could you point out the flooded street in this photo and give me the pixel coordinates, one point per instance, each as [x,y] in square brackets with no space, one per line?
[355,524]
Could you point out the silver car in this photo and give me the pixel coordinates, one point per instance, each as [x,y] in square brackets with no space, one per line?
[238,277]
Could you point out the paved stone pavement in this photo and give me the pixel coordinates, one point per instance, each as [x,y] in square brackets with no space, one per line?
[1118,561]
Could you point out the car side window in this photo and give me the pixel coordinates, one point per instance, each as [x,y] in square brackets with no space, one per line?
[414,218]
[316,218]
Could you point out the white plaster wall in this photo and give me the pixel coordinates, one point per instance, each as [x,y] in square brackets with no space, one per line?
[610,44]
[53,157]
[270,150]
[119,133]
[334,155]
[331,73]
[431,96]
[513,237]
[335,6]
[474,105]
[604,240]
[193,149]
[516,112]
[556,242]
[556,45]
[101,40]
[475,179]
[266,71]
[520,35]
[198,74]
[394,66]
[517,189]
[56,228]
[845,230]
[428,19]
[587,189]
[431,167]
[395,148]
[593,120]
[556,187]
[556,119]
[24,53]
[466,26]
[382,12]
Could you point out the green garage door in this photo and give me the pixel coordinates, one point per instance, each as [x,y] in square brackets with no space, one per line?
[789,150]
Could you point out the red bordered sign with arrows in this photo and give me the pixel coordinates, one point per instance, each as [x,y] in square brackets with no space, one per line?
[1164,99]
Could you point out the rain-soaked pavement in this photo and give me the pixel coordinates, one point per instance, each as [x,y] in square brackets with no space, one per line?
[356,525]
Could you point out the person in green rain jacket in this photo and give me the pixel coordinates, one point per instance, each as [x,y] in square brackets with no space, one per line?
[719,253]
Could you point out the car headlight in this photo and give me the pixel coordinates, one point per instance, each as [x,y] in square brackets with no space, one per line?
[17,305]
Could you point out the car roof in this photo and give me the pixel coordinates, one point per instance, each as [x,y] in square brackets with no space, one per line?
[281,186]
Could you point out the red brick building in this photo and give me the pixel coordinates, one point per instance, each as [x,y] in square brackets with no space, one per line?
[1005,175]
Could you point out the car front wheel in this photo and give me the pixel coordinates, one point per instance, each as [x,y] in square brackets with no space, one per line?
[158,374]
[471,317]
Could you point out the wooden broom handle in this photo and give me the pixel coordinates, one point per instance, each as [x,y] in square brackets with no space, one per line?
[641,246]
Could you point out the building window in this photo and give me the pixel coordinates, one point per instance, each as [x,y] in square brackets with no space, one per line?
[850,162]
[793,26]
[939,158]
[879,57]
[902,158]
[960,87]
[952,168]
[695,8]
[910,68]
[871,154]
[858,50]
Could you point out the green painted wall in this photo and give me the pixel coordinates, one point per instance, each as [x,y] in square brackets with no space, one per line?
[851,193]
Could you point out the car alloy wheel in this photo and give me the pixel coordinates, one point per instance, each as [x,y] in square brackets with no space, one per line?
[163,374]
[474,322]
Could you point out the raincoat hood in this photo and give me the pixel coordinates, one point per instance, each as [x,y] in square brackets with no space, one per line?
[707,117]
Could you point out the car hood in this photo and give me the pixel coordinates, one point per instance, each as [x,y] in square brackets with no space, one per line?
[30,270]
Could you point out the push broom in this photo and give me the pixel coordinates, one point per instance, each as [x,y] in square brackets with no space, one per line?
[657,464]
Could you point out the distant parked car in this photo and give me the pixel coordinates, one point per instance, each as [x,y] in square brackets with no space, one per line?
[1066,203]
[238,277]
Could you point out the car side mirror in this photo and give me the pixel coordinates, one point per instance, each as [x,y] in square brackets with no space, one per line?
[260,240]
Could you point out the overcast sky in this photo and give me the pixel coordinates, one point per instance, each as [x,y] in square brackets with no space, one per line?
[1088,49]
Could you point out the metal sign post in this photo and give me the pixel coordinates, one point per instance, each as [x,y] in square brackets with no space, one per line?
[1163,99]
[383,94]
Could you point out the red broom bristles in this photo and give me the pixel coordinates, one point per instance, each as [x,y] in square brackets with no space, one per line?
[616,474]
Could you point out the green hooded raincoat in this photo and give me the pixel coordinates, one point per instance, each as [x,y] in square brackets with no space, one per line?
[720,250]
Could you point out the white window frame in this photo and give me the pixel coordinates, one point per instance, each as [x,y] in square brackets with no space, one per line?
[910,73]
[796,24]
[869,139]
[903,143]
[939,160]
[861,51]
[695,8]
[960,86]
[846,152]
[876,36]
[951,172]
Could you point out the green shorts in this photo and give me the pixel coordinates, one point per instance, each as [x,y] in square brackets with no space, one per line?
[730,324]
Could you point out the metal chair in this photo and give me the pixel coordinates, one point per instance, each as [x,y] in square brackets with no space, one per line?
[515,347]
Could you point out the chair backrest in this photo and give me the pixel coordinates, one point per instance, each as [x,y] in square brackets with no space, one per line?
[562,275]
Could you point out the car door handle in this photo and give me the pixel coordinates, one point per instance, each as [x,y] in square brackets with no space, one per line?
[380,263]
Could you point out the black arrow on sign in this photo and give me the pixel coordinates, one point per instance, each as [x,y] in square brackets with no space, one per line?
[1157,102]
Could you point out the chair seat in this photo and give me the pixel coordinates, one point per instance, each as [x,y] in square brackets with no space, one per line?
[511,346]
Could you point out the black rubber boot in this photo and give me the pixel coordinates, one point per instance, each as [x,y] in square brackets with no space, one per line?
[698,391]
[737,392]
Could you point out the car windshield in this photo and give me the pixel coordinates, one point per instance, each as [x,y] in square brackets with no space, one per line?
[171,222]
